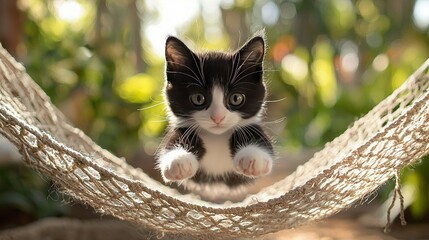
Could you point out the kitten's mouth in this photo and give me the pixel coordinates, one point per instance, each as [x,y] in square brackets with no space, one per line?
[220,126]
[218,129]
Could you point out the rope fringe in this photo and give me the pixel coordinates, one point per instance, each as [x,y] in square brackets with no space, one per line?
[396,192]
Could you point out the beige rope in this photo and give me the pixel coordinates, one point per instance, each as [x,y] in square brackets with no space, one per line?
[355,164]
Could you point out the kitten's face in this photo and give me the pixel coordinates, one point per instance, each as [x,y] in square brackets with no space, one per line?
[215,91]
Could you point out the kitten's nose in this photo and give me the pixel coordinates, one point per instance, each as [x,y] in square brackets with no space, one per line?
[217,118]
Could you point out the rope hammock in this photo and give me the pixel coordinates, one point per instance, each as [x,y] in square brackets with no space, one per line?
[374,149]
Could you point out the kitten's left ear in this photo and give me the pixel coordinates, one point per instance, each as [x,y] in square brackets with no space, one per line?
[177,54]
[253,51]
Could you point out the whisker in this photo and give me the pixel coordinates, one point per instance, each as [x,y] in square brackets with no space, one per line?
[244,83]
[202,61]
[186,75]
[236,69]
[251,65]
[197,134]
[255,130]
[197,65]
[184,136]
[193,84]
[276,100]
[232,68]
[192,130]
[151,106]
[159,121]
[249,74]
[271,70]
[280,120]
[195,75]
[239,68]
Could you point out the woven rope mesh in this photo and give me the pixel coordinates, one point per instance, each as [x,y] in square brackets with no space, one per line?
[391,136]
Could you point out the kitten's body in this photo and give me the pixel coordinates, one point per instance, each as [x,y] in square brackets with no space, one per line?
[215,102]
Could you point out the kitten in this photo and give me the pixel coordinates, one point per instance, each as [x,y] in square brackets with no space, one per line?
[215,102]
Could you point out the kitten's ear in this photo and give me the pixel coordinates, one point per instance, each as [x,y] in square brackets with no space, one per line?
[253,51]
[177,54]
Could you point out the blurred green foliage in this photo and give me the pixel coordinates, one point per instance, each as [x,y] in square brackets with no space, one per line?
[418,178]
[331,60]
[26,192]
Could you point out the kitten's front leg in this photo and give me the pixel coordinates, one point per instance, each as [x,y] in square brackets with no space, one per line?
[253,161]
[177,164]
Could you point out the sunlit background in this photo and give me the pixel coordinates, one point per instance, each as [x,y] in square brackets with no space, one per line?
[328,62]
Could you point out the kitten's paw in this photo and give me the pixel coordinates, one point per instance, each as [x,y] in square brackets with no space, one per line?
[253,161]
[177,165]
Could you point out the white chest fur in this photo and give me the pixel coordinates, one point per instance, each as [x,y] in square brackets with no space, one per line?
[217,160]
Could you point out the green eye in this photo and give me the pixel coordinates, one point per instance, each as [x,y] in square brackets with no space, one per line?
[197,99]
[237,99]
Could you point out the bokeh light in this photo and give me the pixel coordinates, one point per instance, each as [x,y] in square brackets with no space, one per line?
[69,10]
[421,14]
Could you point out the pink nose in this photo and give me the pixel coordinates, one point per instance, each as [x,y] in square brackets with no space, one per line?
[217,118]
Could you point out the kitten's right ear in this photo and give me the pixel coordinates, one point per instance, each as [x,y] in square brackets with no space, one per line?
[177,54]
[253,51]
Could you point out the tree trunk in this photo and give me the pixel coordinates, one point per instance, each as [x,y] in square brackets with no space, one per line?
[11,27]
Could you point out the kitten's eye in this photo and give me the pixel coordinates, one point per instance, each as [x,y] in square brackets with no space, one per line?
[237,99]
[197,99]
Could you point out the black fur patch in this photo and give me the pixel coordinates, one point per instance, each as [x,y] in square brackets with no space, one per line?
[186,138]
[230,179]
[251,134]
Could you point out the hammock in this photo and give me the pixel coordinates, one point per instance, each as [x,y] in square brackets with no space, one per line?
[348,169]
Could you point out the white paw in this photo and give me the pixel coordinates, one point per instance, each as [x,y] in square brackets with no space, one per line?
[177,164]
[253,161]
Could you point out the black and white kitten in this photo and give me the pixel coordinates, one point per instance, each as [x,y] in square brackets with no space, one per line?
[215,101]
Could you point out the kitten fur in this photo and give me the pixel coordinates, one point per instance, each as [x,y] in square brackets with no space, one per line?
[215,105]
